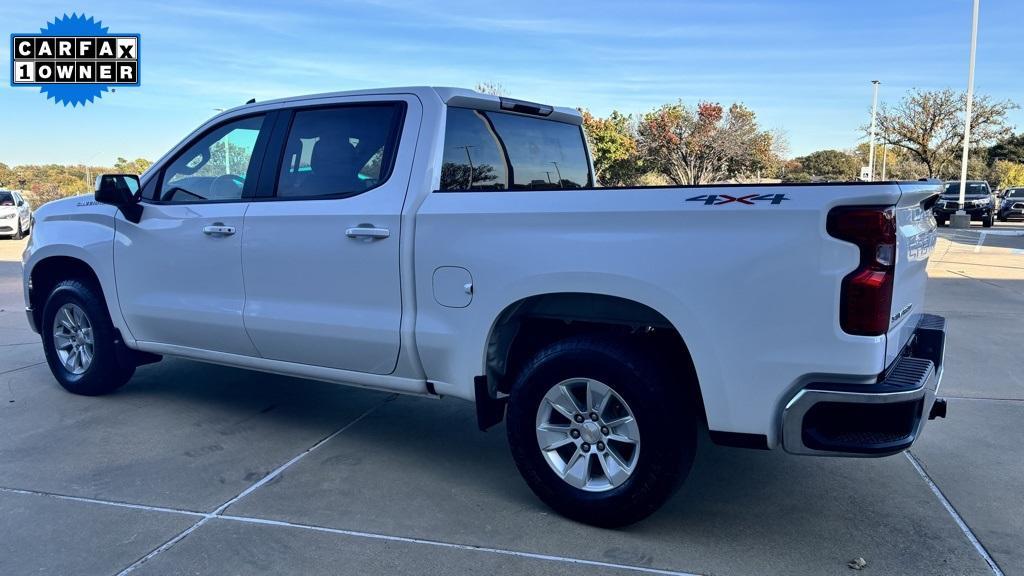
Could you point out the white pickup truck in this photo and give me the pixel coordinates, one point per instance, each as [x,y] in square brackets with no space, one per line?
[442,242]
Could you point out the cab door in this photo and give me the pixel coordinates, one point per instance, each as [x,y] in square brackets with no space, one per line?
[179,269]
[320,248]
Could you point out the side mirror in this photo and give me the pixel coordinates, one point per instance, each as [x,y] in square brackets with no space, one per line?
[121,190]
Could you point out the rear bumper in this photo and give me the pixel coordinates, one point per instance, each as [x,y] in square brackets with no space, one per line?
[878,419]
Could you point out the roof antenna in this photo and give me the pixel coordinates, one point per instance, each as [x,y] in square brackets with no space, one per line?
[251,101]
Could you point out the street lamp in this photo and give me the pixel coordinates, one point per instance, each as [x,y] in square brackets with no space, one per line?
[871,145]
[559,172]
[961,219]
[469,158]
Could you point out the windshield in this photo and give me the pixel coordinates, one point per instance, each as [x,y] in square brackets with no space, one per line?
[6,199]
[1015,193]
[972,188]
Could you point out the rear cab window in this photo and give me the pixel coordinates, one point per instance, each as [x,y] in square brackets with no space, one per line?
[488,150]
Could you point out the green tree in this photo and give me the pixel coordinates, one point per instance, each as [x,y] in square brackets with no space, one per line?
[830,165]
[613,148]
[1010,149]
[929,125]
[137,166]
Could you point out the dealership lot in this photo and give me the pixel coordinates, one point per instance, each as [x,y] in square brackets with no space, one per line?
[203,469]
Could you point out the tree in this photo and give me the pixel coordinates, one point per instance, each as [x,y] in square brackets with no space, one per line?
[466,177]
[45,182]
[899,164]
[930,126]
[830,165]
[137,166]
[1006,174]
[703,144]
[1011,149]
[613,148]
[493,88]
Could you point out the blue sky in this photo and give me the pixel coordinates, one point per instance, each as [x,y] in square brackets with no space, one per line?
[803,66]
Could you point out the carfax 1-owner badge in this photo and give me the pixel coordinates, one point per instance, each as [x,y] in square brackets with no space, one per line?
[74,60]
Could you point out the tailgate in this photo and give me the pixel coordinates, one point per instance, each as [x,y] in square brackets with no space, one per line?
[915,240]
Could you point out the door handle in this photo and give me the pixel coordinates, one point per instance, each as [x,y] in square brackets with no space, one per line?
[219,229]
[367,231]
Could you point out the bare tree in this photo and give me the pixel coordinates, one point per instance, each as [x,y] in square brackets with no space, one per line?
[929,124]
[493,88]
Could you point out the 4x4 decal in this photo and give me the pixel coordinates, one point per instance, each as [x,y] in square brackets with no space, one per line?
[749,199]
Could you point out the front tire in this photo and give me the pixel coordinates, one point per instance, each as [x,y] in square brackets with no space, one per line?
[618,435]
[80,341]
[18,234]
[986,222]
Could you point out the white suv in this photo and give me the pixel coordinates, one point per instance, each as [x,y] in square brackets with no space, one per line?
[15,215]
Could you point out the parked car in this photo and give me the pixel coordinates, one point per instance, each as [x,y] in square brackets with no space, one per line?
[442,242]
[15,215]
[979,202]
[1011,206]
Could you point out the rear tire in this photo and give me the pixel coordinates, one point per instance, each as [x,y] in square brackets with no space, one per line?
[664,424]
[87,360]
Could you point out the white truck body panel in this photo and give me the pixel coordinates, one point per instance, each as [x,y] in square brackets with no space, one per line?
[753,290]
[179,286]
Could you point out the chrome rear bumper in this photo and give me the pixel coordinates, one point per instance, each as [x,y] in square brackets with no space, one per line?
[878,419]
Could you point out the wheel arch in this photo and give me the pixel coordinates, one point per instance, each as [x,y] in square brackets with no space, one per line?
[48,271]
[532,322]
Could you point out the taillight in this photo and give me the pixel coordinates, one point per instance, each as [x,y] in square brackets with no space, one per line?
[866,298]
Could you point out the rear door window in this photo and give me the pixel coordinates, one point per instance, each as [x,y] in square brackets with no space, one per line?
[486,150]
[340,151]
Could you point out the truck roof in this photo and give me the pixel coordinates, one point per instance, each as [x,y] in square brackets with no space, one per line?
[447,95]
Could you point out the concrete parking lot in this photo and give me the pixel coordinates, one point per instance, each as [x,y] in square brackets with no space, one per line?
[197,469]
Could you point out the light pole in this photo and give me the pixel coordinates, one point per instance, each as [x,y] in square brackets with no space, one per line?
[227,152]
[871,145]
[885,153]
[559,172]
[961,219]
[469,159]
